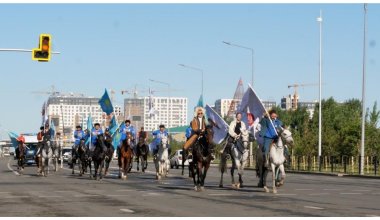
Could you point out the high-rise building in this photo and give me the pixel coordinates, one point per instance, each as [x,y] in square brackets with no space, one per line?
[68,111]
[289,102]
[150,112]
[222,106]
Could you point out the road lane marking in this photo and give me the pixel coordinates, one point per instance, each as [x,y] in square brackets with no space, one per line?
[361,190]
[127,210]
[117,195]
[64,191]
[303,189]
[319,194]
[94,190]
[10,168]
[85,195]
[333,189]
[220,194]
[49,196]
[152,194]
[286,194]
[351,193]
[14,197]
[313,207]
[372,216]
[124,190]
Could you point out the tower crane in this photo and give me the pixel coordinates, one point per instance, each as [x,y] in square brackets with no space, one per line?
[295,96]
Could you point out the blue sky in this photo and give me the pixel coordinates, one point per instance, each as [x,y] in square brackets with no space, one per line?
[119,46]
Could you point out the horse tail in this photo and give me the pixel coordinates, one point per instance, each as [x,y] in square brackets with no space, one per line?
[223,164]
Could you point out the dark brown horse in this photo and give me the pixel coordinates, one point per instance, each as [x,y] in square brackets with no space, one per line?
[125,158]
[142,151]
[20,155]
[202,150]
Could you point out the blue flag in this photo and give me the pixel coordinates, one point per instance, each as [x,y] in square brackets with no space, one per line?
[52,126]
[116,140]
[105,103]
[13,136]
[113,125]
[89,129]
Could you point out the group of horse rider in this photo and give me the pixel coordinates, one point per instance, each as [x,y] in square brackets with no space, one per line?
[261,131]
[125,128]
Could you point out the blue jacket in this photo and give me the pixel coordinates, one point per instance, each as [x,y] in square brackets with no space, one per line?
[267,129]
[78,135]
[158,135]
[124,129]
[94,134]
[188,132]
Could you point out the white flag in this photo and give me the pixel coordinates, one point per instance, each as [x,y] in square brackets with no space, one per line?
[220,127]
[252,110]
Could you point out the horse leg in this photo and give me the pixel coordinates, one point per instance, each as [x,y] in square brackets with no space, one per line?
[204,176]
[138,161]
[199,175]
[274,178]
[183,160]
[283,175]
[232,171]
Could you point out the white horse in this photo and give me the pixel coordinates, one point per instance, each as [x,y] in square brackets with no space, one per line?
[277,158]
[239,153]
[161,161]
[46,157]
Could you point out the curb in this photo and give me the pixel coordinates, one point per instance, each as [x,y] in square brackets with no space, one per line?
[320,173]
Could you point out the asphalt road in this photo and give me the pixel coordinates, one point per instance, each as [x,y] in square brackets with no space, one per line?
[64,194]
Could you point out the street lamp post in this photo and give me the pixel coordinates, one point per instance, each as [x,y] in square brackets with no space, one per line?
[363,94]
[247,48]
[253,53]
[197,69]
[168,99]
[319,20]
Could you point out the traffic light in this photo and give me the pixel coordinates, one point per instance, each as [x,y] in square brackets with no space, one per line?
[42,53]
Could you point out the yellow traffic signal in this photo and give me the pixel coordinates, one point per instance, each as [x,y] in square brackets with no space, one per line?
[42,53]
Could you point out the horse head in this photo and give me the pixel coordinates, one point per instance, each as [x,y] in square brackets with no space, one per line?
[286,136]
[164,142]
[209,134]
[245,138]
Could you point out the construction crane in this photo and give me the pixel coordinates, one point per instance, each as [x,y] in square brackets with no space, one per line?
[52,92]
[295,96]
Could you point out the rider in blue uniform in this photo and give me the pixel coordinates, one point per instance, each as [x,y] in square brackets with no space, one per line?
[78,136]
[97,130]
[269,133]
[126,127]
[158,134]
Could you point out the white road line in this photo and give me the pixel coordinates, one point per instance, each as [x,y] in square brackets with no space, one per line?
[10,168]
[333,189]
[351,193]
[127,210]
[220,194]
[14,197]
[85,195]
[319,194]
[49,196]
[286,194]
[303,189]
[372,216]
[124,190]
[64,191]
[94,190]
[361,190]
[152,194]
[313,207]
[117,195]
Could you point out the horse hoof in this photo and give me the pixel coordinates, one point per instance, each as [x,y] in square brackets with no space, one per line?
[196,188]
[72,172]
[202,188]
[275,191]
[238,186]
[266,189]
[220,185]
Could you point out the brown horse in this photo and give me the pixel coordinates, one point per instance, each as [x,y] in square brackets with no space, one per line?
[142,151]
[20,155]
[202,150]
[125,158]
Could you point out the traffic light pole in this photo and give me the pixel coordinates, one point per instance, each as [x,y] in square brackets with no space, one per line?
[22,50]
